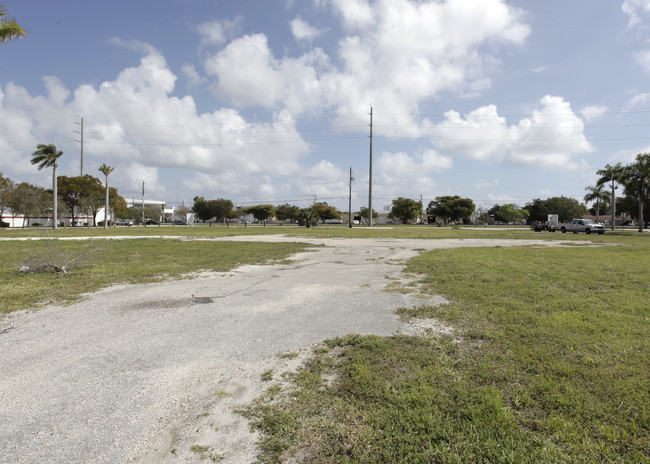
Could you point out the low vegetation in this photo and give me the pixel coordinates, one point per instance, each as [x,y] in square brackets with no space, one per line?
[121,262]
[322,230]
[549,363]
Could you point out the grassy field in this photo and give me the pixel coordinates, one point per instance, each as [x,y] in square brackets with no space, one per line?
[163,255]
[550,363]
[112,262]
[395,231]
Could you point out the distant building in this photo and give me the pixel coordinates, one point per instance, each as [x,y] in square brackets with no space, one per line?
[381,219]
[166,214]
[20,221]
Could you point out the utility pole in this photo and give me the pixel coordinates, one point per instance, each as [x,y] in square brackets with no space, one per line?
[421,209]
[350,201]
[143,204]
[82,143]
[370,175]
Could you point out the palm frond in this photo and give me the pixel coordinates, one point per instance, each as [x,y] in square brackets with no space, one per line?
[106,170]
[11,30]
[45,156]
[596,193]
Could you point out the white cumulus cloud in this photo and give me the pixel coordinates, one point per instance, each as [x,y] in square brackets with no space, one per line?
[593,112]
[218,32]
[397,53]
[638,99]
[135,124]
[409,172]
[249,75]
[643,60]
[638,11]
[302,30]
[355,13]
[552,137]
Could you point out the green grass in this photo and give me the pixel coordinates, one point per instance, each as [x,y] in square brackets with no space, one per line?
[122,262]
[551,364]
[324,230]
[147,260]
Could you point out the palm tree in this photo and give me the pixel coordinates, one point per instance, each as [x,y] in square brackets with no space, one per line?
[611,174]
[46,156]
[9,28]
[636,179]
[308,217]
[597,194]
[106,170]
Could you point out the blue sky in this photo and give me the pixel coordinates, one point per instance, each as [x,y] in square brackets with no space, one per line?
[268,101]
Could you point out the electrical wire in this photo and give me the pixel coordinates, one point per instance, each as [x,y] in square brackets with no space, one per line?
[95,131]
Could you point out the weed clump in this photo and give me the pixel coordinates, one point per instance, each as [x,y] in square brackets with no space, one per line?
[53,259]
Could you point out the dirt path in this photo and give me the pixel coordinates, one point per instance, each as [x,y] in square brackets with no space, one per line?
[143,373]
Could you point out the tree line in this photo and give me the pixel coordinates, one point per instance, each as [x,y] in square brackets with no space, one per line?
[76,197]
[634,178]
[221,210]
[85,195]
[73,196]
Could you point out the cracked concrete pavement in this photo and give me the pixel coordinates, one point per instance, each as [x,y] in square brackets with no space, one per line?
[141,373]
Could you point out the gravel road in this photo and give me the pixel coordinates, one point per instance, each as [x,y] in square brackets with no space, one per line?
[142,373]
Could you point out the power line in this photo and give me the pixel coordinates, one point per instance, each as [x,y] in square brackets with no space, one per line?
[269,121]
[94,132]
[41,128]
[248,132]
[588,126]
[520,115]
[587,139]
[263,142]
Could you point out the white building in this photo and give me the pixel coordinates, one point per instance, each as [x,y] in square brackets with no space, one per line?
[20,221]
[166,214]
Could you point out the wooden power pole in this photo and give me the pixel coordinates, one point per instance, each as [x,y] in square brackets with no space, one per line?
[81,132]
[370,176]
[350,201]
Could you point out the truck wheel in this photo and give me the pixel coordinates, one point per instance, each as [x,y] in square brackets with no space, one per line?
[587,231]
[563,230]
[601,232]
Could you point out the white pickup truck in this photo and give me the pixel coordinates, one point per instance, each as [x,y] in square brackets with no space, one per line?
[582,225]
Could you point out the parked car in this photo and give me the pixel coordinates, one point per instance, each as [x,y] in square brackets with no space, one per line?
[582,225]
[180,222]
[539,226]
[124,222]
[151,222]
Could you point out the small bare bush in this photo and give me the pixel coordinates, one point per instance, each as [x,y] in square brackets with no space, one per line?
[55,260]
